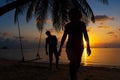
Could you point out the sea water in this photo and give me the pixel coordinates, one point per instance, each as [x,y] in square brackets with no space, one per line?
[99,56]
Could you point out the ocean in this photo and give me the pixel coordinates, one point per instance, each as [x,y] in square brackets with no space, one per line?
[98,57]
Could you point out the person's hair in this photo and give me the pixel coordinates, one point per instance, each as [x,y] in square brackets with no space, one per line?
[75,14]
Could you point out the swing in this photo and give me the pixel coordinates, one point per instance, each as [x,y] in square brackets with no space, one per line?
[21,48]
[37,56]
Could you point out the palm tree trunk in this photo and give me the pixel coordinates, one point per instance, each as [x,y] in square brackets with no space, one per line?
[8,7]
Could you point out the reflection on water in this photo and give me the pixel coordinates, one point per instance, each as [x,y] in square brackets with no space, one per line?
[84,57]
[99,56]
[104,56]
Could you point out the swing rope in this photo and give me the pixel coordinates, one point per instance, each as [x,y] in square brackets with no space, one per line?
[21,48]
[38,55]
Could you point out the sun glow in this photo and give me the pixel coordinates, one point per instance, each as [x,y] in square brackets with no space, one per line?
[84,57]
[85,43]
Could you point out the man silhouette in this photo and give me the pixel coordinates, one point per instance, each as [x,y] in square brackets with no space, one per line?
[51,42]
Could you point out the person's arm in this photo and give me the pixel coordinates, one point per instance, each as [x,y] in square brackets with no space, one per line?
[62,41]
[87,40]
[56,41]
[46,44]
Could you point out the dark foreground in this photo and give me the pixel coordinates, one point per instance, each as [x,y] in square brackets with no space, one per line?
[14,70]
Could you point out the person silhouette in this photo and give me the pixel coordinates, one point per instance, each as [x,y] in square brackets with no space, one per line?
[51,42]
[76,30]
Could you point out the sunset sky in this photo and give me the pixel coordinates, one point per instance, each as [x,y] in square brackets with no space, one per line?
[105,32]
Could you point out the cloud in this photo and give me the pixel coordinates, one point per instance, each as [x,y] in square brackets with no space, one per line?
[89,29]
[51,30]
[112,34]
[104,27]
[15,43]
[119,29]
[16,37]
[5,34]
[37,38]
[8,42]
[110,45]
[47,21]
[1,38]
[103,18]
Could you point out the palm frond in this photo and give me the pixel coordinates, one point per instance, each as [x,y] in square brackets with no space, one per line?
[104,1]
[59,13]
[64,11]
[58,9]
[20,10]
[37,6]
[88,10]
[55,13]
[31,10]
[85,8]
[41,14]
[7,1]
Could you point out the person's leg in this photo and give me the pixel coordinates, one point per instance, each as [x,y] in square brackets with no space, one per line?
[50,59]
[77,65]
[74,55]
[56,57]
[72,71]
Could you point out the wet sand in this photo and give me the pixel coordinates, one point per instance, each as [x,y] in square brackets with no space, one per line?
[16,70]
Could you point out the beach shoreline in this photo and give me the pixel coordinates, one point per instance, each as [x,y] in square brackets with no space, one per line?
[17,70]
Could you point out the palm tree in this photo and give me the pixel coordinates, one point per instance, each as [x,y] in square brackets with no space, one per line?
[39,8]
[57,8]
[8,7]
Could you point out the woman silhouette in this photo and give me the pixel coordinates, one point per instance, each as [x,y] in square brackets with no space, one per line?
[76,30]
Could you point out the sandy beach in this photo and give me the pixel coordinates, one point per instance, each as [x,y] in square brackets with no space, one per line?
[16,70]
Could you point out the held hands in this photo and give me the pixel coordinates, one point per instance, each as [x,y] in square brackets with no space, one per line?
[59,52]
[46,53]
